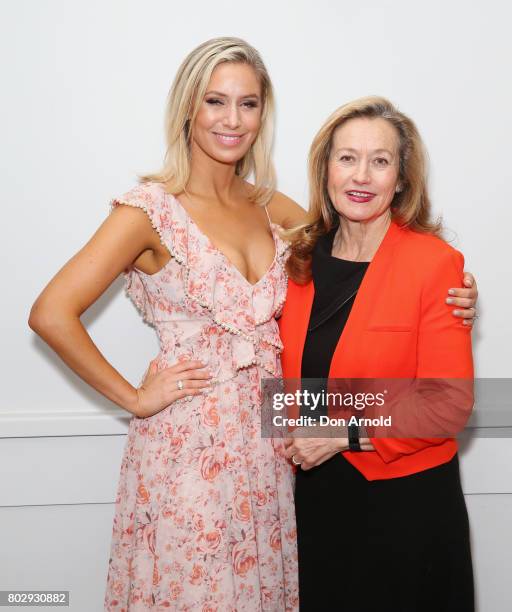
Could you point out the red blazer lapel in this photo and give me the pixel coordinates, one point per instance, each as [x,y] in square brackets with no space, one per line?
[297,310]
[346,361]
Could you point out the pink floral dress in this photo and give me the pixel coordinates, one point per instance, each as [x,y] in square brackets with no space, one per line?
[204,517]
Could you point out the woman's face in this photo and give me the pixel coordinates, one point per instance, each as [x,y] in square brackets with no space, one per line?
[229,117]
[363,168]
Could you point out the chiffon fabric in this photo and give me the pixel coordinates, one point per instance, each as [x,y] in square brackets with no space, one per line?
[204,516]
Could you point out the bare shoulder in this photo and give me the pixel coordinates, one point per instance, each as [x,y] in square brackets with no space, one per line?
[285,212]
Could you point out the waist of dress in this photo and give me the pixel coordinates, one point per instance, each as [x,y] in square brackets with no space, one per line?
[224,361]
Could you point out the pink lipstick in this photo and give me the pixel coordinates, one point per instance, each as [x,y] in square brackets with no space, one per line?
[360,197]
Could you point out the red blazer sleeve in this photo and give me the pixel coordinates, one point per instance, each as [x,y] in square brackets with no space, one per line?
[443,352]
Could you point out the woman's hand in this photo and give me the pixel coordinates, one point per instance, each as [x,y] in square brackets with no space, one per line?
[310,452]
[159,389]
[465,298]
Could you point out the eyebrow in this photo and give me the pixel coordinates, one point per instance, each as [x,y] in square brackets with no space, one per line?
[223,95]
[355,150]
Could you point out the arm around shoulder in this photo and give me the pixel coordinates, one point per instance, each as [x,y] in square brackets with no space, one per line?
[286,212]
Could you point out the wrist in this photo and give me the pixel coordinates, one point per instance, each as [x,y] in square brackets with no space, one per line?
[340,444]
[132,403]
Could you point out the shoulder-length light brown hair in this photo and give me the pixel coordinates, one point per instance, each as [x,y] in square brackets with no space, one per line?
[410,206]
[185,98]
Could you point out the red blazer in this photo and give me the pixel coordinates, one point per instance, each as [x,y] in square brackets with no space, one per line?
[399,327]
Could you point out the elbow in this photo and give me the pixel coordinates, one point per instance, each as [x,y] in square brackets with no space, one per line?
[36,319]
[42,319]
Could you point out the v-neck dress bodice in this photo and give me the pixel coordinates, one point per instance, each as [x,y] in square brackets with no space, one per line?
[204,515]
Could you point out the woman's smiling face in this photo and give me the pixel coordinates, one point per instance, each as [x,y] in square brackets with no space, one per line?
[229,117]
[363,168]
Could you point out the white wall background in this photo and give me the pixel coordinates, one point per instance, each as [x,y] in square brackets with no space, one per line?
[81,113]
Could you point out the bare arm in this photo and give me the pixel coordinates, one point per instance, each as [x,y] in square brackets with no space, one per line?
[286,212]
[55,316]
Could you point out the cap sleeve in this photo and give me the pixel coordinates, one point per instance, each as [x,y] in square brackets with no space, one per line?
[150,198]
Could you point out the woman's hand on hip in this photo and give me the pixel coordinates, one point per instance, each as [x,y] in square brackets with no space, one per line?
[161,388]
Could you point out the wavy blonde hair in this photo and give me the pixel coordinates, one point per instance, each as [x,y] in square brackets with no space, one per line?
[410,207]
[184,100]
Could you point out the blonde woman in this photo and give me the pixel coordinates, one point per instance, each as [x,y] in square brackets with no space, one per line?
[204,513]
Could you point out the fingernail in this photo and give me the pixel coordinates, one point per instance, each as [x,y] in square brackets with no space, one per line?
[466,322]
[450,300]
[451,291]
[456,313]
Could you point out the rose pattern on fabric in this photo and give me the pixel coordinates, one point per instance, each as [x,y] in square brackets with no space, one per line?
[204,517]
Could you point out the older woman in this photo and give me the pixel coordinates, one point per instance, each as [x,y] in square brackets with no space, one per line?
[382,523]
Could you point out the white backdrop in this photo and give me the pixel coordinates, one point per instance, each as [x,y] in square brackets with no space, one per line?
[83,92]
[84,87]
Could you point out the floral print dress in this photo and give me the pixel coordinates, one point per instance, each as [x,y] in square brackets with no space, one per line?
[204,516]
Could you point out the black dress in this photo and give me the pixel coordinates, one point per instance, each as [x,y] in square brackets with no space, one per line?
[397,545]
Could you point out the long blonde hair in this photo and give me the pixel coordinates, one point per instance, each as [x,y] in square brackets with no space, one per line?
[184,100]
[410,206]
